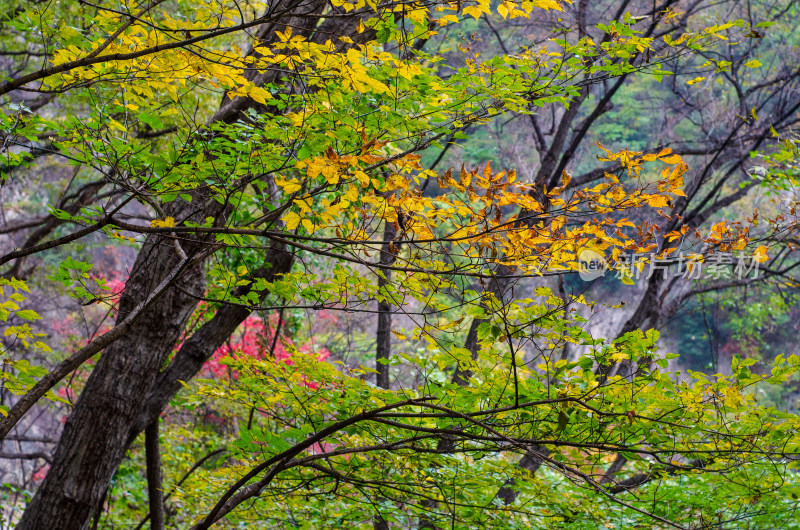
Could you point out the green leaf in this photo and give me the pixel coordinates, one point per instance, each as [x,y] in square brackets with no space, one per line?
[28,314]
[152,120]
[563,420]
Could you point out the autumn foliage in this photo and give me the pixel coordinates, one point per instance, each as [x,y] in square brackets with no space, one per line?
[277,285]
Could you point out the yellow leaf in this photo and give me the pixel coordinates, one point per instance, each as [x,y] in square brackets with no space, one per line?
[548,4]
[292,220]
[474,11]
[618,356]
[672,236]
[114,124]
[760,254]
[352,193]
[718,230]
[259,95]
[362,177]
[374,83]
[289,186]
[674,159]
[331,175]
[304,204]
[166,223]
[657,201]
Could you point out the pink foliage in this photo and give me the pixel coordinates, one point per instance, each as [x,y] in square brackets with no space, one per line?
[41,473]
[115,287]
[328,315]
[256,339]
[65,326]
[66,392]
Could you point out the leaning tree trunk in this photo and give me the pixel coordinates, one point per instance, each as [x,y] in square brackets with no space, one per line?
[97,433]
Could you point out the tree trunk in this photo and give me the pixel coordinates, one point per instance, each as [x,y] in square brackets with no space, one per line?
[155,496]
[97,433]
[383,349]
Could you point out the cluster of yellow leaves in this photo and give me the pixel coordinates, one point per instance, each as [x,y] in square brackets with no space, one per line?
[166,223]
[222,65]
[350,67]
[671,181]
[506,9]
[11,290]
[12,303]
[358,4]
[343,172]
[169,70]
[117,235]
[471,215]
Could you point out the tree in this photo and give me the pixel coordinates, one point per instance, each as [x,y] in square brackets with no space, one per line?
[269,158]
